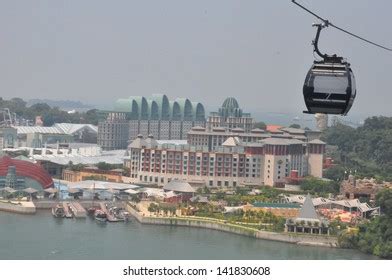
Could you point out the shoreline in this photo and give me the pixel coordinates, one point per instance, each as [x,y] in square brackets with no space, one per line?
[199,222]
[299,239]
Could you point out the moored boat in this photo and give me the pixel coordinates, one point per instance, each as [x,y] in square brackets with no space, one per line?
[91,211]
[58,211]
[99,215]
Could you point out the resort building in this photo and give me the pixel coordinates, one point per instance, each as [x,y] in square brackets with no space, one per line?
[307,221]
[214,137]
[230,116]
[232,164]
[158,116]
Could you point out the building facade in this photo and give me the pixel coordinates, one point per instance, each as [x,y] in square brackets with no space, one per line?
[92,174]
[156,116]
[62,133]
[8,137]
[230,116]
[233,164]
[216,136]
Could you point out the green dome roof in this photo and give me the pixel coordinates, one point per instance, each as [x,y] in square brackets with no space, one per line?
[230,103]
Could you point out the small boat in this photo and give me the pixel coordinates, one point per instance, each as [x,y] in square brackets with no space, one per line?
[91,211]
[99,215]
[58,211]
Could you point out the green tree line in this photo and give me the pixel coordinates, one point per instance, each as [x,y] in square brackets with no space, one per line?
[50,115]
[374,236]
[366,149]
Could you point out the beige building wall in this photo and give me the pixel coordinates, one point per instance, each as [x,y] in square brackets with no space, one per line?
[274,169]
[315,165]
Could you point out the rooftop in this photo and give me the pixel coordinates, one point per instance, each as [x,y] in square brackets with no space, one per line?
[179,186]
[57,128]
[275,205]
[308,212]
[281,141]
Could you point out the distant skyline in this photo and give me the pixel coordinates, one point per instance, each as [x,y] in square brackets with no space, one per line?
[256,51]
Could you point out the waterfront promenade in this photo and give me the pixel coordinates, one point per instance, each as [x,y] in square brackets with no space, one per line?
[144,217]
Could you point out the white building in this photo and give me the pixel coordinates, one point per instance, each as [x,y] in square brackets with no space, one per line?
[235,163]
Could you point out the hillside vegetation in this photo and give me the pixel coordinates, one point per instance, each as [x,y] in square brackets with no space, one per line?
[366,149]
[50,115]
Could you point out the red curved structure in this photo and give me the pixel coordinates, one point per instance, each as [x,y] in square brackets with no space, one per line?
[26,169]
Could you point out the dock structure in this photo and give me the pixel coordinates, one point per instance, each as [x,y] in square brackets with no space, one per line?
[109,216]
[77,209]
[21,207]
[67,211]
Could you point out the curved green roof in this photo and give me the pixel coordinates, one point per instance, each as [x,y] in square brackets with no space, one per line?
[199,111]
[143,107]
[186,109]
[160,108]
[163,105]
[175,111]
[153,110]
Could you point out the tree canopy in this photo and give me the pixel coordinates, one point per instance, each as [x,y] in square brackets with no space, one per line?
[50,115]
[260,125]
[295,125]
[318,186]
[374,236]
[366,149]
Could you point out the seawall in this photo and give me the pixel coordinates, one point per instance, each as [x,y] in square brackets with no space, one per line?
[21,207]
[300,239]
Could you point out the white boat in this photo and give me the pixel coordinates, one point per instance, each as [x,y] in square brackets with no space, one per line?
[99,215]
[58,211]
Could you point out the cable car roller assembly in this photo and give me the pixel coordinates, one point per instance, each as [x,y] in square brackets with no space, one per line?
[329,86]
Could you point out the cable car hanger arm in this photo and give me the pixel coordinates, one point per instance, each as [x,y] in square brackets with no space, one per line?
[316,39]
[328,23]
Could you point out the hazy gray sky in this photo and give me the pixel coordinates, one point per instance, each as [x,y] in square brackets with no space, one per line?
[257,51]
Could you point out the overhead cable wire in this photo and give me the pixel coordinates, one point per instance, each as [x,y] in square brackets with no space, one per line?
[328,23]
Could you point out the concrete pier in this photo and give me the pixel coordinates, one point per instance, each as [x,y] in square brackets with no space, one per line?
[77,209]
[21,207]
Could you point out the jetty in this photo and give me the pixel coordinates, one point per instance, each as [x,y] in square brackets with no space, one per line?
[77,209]
[109,215]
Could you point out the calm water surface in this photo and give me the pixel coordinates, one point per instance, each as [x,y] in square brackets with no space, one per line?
[41,236]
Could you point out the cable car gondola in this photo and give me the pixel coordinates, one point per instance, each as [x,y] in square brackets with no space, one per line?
[329,86]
